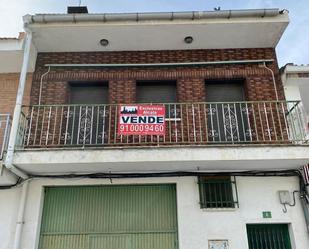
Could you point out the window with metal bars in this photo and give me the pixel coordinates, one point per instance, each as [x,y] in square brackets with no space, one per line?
[268,236]
[218,192]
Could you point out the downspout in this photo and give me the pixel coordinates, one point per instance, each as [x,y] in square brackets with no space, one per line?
[304,199]
[273,77]
[20,217]
[41,84]
[18,108]
[304,206]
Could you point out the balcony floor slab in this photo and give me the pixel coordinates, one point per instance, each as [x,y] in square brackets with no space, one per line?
[151,159]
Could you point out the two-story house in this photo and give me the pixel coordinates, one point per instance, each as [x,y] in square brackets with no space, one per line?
[156,131]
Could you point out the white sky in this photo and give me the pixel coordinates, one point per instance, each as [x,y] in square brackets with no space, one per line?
[293,47]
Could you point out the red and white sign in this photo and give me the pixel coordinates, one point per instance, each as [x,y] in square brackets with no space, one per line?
[141,120]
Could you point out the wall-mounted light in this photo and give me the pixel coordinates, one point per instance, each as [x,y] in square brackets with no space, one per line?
[188,39]
[104,42]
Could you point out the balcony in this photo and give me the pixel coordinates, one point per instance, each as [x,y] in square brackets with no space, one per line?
[80,126]
[5,125]
[258,135]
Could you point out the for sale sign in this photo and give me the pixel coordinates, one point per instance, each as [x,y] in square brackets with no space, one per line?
[141,120]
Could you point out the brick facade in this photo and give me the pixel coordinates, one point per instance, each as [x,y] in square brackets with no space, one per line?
[48,125]
[8,90]
[190,80]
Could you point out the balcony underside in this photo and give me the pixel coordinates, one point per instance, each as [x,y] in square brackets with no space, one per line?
[182,158]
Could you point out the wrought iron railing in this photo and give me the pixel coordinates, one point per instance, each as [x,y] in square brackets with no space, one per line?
[263,122]
[5,125]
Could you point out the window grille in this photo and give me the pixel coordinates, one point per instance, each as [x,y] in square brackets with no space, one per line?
[218,192]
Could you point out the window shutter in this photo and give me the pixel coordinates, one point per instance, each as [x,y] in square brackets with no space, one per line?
[156,92]
[224,91]
[88,93]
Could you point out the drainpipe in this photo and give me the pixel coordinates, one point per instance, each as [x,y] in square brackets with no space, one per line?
[20,217]
[18,107]
[273,77]
[41,84]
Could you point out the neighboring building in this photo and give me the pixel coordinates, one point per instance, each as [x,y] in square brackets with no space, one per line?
[295,79]
[221,170]
[11,55]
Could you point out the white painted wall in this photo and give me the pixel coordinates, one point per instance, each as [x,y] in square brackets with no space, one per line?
[11,56]
[296,88]
[292,92]
[196,226]
[6,176]
[9,200]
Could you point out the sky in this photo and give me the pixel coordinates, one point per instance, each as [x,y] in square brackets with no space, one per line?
[292,48]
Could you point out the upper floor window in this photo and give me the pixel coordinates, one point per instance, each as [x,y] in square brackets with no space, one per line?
[83,93]
[163,92]
[156,92]
[225,90]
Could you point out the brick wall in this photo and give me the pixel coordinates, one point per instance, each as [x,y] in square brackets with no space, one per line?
[190,80]
[122,89]
[8,90]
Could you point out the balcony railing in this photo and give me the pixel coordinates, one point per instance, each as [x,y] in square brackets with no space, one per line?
[259,122]
[5,125]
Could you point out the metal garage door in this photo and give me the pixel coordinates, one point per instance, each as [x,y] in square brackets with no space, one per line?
[109,217]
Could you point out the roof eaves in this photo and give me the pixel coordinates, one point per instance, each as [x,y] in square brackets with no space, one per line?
[152,16]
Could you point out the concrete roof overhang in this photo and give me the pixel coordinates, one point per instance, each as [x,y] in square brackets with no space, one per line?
[157,31]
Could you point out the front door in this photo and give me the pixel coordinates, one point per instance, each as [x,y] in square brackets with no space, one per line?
[268,236]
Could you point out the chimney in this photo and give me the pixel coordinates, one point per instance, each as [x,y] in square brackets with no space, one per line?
[77,10]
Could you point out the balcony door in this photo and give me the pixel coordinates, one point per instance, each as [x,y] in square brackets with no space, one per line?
[227,121]
[89,113]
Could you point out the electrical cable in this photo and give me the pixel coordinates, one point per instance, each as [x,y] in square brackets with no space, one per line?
[291,205]
[19,181]
[110,175]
